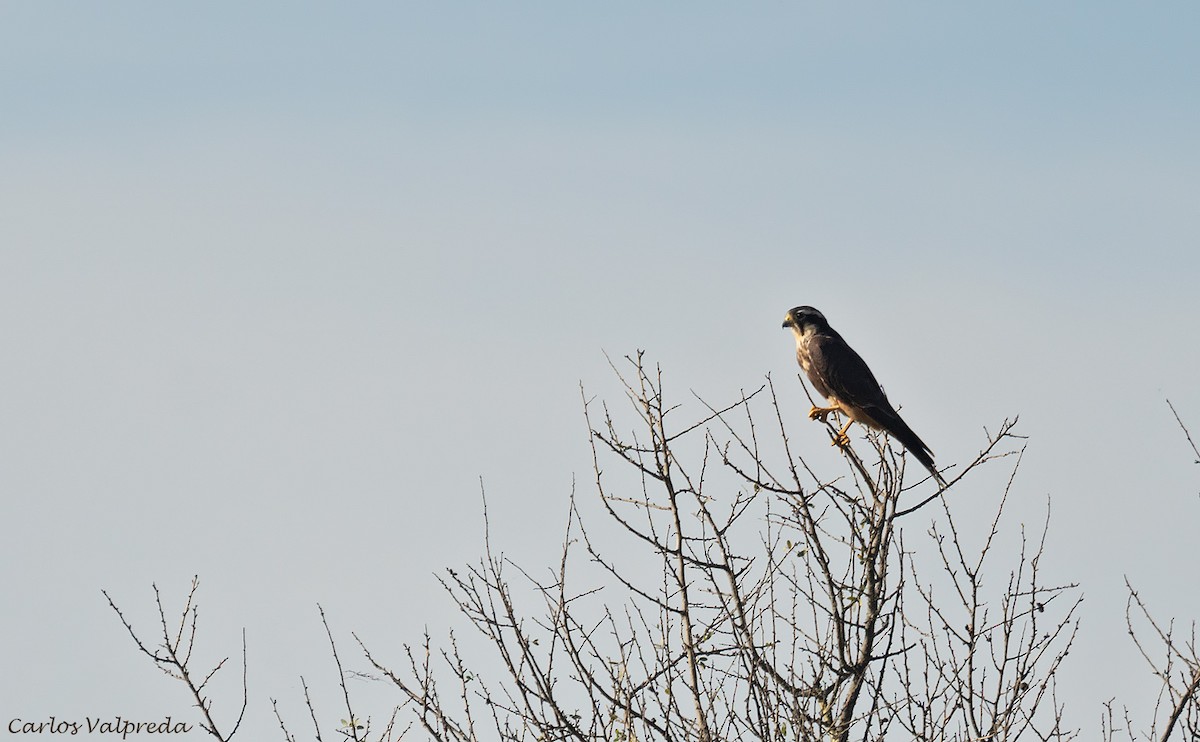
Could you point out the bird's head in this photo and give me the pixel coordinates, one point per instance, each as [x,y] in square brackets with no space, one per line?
[801,318]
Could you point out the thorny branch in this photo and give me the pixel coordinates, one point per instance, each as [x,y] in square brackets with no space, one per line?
[1186,433]
[174,655]
[1178,671]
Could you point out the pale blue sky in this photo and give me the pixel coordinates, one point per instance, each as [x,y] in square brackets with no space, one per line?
[279,284]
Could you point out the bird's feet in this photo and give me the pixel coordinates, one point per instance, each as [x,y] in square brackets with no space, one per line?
[820,413]
[840,439]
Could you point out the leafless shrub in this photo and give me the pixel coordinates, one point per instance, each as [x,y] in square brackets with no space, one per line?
[769,604]
[730,592]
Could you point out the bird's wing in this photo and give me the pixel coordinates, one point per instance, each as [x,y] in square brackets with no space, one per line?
[845,373]
[847,376]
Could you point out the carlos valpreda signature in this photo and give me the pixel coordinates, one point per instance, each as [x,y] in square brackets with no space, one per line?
[115,725]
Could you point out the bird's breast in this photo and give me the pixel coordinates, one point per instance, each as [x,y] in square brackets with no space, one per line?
[803,356]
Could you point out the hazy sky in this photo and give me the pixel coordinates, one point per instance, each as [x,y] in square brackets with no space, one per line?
[279,283]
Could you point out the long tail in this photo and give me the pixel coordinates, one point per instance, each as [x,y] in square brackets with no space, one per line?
[898,429]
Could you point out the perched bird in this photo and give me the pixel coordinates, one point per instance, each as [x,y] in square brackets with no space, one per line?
[842,377]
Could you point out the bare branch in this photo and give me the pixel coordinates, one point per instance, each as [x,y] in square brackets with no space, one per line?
[175,656]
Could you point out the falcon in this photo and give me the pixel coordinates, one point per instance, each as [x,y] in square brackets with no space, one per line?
[842,377]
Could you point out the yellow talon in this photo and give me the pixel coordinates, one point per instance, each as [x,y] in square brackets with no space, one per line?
[820,413]
[841,440]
